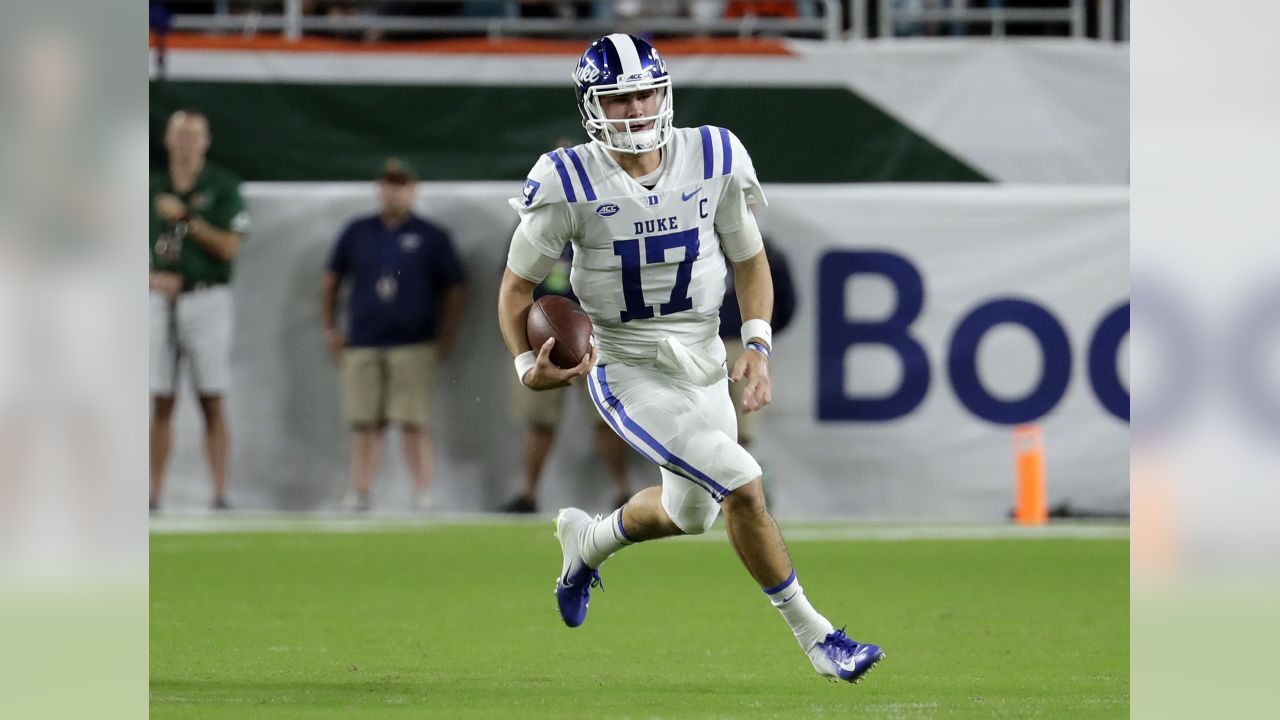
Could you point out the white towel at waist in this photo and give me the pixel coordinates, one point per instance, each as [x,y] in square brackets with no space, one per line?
[690,365]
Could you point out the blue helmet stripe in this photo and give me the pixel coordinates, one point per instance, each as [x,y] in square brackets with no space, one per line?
[612,63]
[569,194]
[582,175]
[728,151]
[706,152]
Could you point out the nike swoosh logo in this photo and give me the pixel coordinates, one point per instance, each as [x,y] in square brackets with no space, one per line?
[686,196]
[788,598]
[858,655]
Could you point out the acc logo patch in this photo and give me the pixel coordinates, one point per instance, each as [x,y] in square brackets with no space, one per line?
[607,210]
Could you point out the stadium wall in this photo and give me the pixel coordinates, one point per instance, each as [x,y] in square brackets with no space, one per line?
[932,318]
[967,110]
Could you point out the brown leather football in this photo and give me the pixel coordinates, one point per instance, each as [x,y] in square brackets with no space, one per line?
[561,318]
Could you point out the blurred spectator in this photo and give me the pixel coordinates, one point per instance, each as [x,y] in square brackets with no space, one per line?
[491,8]
[563,9]
[198,220]
[957,27]
[407,291]
[908,23]
[705,9]
[160,23]
[542,411]
[1038,28]
[905,22]
[784,307]
[333,8]
[340,10]
[629,9]
[159,18]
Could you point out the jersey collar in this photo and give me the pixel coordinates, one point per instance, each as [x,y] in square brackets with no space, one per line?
[670,154]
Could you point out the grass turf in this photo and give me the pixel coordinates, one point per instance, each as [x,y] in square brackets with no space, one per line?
[460,622]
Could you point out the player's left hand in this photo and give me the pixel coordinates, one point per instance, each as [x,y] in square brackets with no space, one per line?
[170,207]
[754,368]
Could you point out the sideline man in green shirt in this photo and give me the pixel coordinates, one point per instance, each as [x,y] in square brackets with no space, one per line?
[198,221]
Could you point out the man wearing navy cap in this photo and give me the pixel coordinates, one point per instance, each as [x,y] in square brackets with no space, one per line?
[407,290]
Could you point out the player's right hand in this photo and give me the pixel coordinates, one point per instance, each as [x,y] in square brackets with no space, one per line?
[544,375]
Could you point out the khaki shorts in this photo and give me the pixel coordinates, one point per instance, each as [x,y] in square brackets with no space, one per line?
[381,385]
[545,408]
[748,423]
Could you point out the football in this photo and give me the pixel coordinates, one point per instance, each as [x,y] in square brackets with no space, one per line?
[562,319]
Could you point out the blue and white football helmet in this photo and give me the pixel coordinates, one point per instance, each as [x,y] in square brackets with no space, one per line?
[616,65]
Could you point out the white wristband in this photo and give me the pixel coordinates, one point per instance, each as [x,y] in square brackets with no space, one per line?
[757,328]
[524,363]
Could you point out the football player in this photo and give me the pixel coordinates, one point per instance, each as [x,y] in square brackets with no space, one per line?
[652,211]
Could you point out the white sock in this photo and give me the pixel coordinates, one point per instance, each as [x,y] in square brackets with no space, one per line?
[807,624]
[603,538]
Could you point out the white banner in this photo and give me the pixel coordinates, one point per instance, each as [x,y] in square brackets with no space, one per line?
[1000,294]
[930,319]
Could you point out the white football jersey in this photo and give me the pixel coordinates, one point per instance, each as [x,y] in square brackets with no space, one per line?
[647,264]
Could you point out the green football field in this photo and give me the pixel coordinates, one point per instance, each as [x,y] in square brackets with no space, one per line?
[459,621]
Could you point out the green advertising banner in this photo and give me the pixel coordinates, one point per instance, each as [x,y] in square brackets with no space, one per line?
[328,131]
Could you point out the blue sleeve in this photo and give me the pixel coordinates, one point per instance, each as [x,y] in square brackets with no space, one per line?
[340,257]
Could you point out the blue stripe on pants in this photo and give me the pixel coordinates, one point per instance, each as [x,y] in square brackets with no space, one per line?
[613,423]
[717,490]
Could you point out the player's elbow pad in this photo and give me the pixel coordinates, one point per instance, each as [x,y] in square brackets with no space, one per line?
[526,261]
[743,243]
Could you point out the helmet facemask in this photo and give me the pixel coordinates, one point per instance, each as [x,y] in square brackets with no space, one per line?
[621,134]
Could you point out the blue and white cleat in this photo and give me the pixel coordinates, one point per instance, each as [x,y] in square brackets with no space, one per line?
[573,586]
[840,657]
